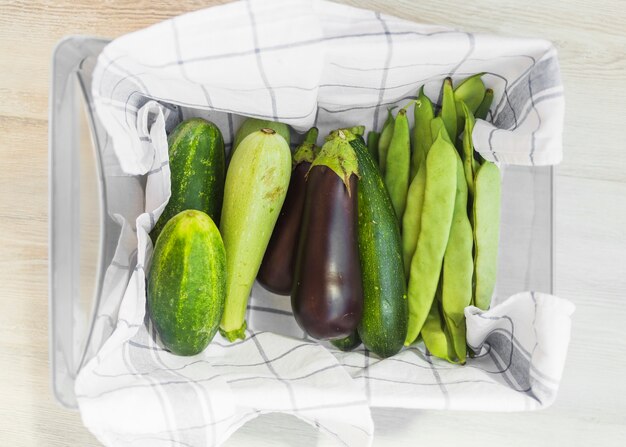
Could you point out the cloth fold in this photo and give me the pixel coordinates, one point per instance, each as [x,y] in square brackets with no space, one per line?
[307,63]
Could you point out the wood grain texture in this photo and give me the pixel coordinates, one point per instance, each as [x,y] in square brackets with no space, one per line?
[590,232]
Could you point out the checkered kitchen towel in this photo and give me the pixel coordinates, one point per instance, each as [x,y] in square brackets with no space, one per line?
[306,63]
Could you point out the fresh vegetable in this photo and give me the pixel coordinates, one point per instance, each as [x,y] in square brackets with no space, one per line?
[435,333]
[469,163]
[276,272]
[398,163]
[372,144]
[448,109]
[198,167]
[385,140]
[383,325]
[486,232]
[470,91]
[186,284]
[422,137]
[458,268]
[348,343]
[437,212]
[251,125]
[256,185]
[327,299]
[412,219]
[483,109]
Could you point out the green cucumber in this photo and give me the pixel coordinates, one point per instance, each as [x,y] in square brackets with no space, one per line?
[256,186]
[187,282]
[383,325]
[198,169]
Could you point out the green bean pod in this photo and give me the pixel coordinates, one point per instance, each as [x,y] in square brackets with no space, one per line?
[373,138]
[471,91]
[385,140]
[422,137]
[412,218]
[437,127]
[458,268]
[486,232]
[398,163]
[483,109]
[437,211]
[468,149]
[448,109]
[435,334]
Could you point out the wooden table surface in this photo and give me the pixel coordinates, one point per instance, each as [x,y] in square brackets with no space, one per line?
[590,223]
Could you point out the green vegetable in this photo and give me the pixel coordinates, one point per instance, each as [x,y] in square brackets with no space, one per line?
[348,343]
[437,127]
[483,109]
[413,217]
[486,232]
[372,144]
[384,322]
[471,91]
[251,125]
[385,140]
[422,136]
[198,168]
[398,163]
[458,268]
[469,164]
[437,211]
[186,284]
[448,109]
[256,185]
[435,333]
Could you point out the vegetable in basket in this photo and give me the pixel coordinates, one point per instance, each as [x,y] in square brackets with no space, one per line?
[256,186]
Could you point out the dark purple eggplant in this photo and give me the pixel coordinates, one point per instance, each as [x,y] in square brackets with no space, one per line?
[277,268]
[327,297]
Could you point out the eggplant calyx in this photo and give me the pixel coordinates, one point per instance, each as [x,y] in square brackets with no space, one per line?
[307,151]
[338,155]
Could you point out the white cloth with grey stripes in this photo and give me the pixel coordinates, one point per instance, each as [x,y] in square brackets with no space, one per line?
[307,63]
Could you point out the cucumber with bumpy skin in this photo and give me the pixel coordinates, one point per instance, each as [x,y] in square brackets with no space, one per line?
[186,284]
[198,168]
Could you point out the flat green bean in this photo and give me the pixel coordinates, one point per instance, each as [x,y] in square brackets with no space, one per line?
[448,109]
[372,144]
[486,232]
[468,149]
[436,335]
[422,137]
[471,91]
[412,218]
[437,211]
[385,139]
[398,163]
[437,127]
[458,268]
[483,109]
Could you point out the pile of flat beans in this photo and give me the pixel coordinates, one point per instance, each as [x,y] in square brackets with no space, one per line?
[447,200]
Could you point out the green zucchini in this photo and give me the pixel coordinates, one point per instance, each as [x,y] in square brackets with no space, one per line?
[254,124]
[348,343]
[198,168]
[383,325]
[186,285]
[256,186]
